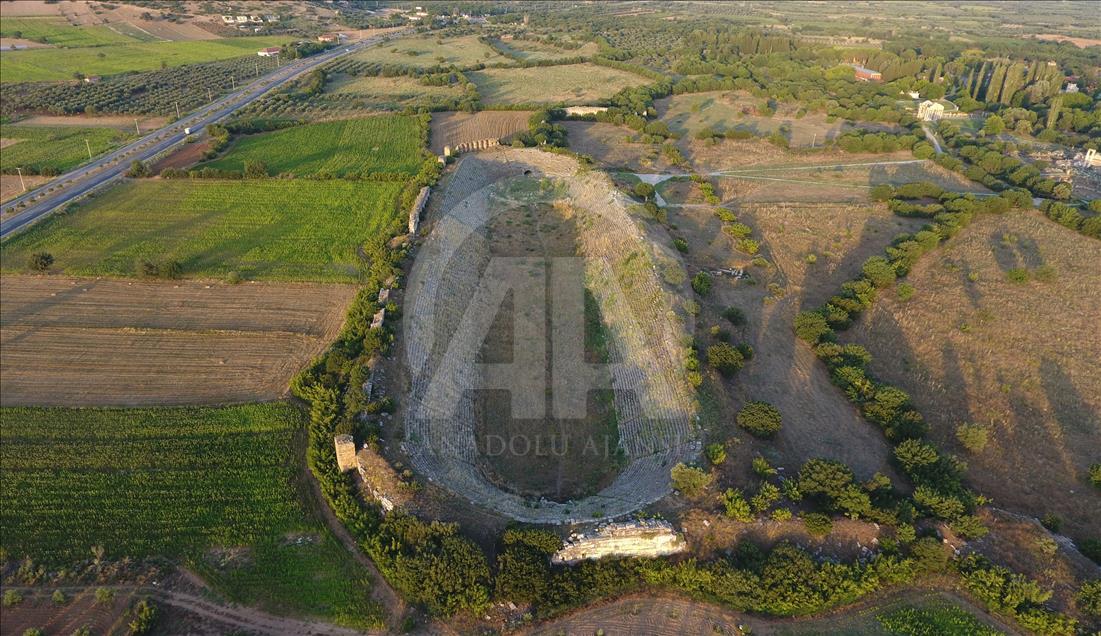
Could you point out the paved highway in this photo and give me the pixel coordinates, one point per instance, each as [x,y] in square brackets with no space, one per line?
[113,165]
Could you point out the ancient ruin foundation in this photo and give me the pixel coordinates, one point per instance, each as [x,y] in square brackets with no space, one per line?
[645,325]
[630,539]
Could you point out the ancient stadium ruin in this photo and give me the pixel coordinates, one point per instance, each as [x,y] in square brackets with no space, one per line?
[527,254]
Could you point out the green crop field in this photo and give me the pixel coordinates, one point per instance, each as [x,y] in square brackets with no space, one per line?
[431,51]
[214,487]
[270,229]
[567,84]
[57,31]
[46,149]
[34,65]
[351,147]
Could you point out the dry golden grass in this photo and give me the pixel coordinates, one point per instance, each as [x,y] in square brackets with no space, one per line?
[1021,358]
[82,342]
[818,420]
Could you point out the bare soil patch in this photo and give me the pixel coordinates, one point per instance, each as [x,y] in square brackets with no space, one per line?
[84,342]
[187,156]
[7,44]
[452,129]
[29,8]
[10,187]
[1018,357]
[818,420]
[1079,42]
[555,457]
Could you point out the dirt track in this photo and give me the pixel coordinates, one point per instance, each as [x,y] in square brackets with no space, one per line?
[84,342]
[81,611]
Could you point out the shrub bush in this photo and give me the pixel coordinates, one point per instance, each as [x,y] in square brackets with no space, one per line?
[811,326]
[40,261]
[818,524]
[734,315]
[735,505]
[716,454]
[1089,598]
[973,437]
[690,480]
[701,283]
[761,419]
[877,270]
[724,358]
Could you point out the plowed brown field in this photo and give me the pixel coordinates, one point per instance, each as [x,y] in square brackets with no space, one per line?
[452,129]
[83,342]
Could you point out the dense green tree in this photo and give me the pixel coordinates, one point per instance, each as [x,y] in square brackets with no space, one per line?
[760,418]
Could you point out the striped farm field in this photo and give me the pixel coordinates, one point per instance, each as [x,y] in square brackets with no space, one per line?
[53,149]
[385,144]
[214,488]
[139,339]
[266,229]
[56,31]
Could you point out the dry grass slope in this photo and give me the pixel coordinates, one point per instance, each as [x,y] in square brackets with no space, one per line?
[1019,357]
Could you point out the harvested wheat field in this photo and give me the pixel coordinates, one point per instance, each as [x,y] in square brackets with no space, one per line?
[1002,332]
[818,420]
[96,342]
[452,129]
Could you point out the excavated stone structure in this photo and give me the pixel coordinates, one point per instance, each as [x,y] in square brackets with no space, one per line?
[345,452]
[630,539]
[646,324]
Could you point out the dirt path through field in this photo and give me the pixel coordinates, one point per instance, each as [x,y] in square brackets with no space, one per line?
[234,616]
[381,592]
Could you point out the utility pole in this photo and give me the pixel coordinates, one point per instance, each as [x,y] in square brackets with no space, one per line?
[20,171]
[177,110]
[814,141]
[257,69]
[209,95]
[137,128]
[234,80]
[89,147]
